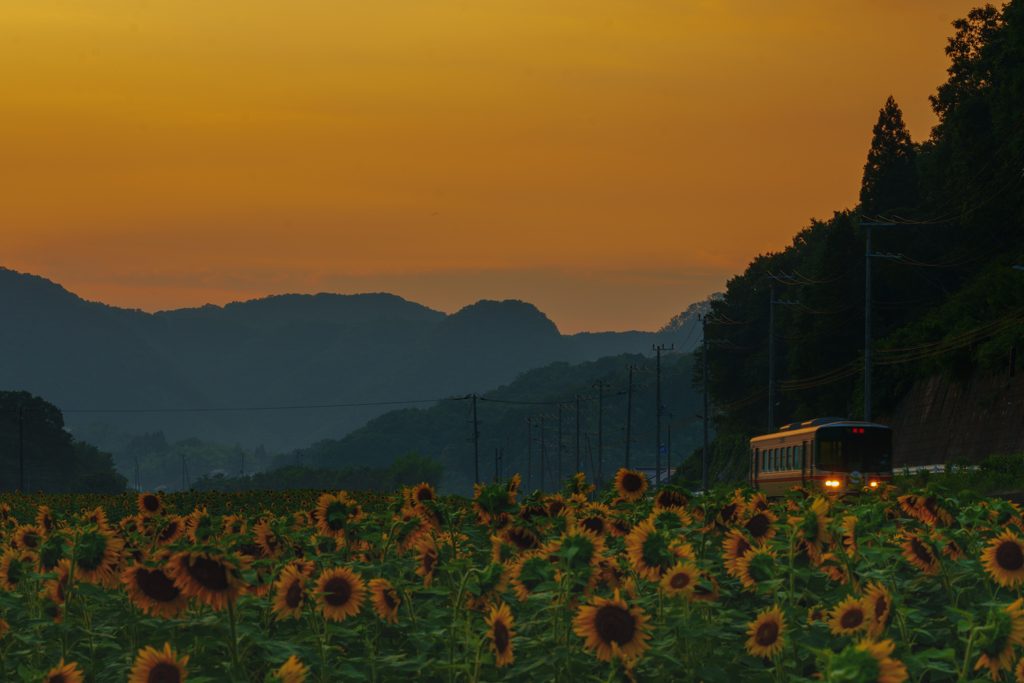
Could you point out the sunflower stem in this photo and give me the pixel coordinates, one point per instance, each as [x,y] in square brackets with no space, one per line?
[962,673]
[233,643]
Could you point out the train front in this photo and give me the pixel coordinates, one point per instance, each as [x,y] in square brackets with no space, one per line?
[850,457]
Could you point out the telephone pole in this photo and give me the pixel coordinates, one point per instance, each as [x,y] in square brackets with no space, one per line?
[771,347]
[559,481]
[657,439]
[529,452]
[867,319]
[577,434]
[542,453]
[21,447]
[600,385]
[629,413]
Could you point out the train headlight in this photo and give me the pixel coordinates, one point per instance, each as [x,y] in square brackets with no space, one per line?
[831,482]
[874,484]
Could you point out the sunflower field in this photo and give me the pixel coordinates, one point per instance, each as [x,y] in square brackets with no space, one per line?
[311,586]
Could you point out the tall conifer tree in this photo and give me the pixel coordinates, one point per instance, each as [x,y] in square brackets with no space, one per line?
[890,175]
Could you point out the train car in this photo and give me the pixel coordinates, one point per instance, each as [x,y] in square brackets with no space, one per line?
[828,454]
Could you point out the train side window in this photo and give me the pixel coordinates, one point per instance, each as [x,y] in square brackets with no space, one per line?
[776,459]
[789,457]
[797,452]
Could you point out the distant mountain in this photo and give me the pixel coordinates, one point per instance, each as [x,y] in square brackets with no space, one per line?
[280,351]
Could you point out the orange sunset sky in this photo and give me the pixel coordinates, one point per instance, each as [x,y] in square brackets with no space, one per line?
[609,161]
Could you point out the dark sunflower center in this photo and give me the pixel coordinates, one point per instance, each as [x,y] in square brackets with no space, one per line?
[852,618]
[30,540]
[59,678]
[595,524]
[922,552]
[151,503]
[293,596]
[728,511]
[337,591]
[208,573]
[163,673]
[156,585]
[501,638]
[742,547]
[1009,556]
[424,494]
[767,634]
[614,625]
[758,525]
[522,539]
[680,581]
[880,606]
[631,483]
[429,560]
[169,531]
[390,599]
[555,507]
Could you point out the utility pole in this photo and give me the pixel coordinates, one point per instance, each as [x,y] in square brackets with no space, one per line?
[704,387]
[867,319]
[508,454]
[495,480]
[578,470]
[542,453]
[668,453]
[529,453]
[21,447]
[559,481]
[600,432]
[629,413]
[771,348]
[476,443]
[657,438]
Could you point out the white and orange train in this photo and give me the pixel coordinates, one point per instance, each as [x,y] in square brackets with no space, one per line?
[828,454]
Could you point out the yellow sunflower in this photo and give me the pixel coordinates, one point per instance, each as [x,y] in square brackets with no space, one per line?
[500,633]
[233,524]
[812,527]
[920,553]
[630,484]
[289,593]
[420,494]
[1003,559]
[332,514]
[521,537]
[64,673]
[152,666]
[292,671]
[28,537]
[199,526]
[210,578]
[173,529]
[755,567]
[761,526]
[385,600]
[849,537]
[611,626]
[267,539]
[152,590]
[426,558]
[852,615]
[98,554]
[14,566]
[880,602]
[652,552]
[1004,629]
[757,503]
[340,593]
[681,579]
[594,518]
[98,516]
[44,518]
[766,639]
[670,498]
[889,670]
[150,504]
[734,547]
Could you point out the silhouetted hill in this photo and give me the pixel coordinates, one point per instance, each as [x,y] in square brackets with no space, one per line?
[279,351]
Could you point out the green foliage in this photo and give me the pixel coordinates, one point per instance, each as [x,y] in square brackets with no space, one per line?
[997,474]
[408,469]
[952,306]
[53,462]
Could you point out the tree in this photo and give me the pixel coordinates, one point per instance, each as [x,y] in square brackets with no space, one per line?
[890,175]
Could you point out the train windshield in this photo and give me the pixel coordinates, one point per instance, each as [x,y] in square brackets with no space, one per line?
[854,449]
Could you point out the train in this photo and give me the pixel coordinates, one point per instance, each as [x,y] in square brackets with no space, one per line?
[825,455]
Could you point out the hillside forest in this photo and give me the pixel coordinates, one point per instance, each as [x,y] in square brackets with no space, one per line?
[947,283]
